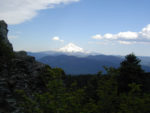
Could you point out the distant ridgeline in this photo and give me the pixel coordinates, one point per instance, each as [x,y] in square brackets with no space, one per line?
[80,63]
[28,86]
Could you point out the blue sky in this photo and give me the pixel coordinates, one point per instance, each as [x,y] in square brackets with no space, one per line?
[116,27]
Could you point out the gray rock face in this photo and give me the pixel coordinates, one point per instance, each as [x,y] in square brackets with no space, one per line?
[4,32]
[21,72]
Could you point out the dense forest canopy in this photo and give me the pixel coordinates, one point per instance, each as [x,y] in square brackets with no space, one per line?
[122,90]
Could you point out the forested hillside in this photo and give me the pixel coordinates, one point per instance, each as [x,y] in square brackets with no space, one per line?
[89,64]
[76,65]
[122,90]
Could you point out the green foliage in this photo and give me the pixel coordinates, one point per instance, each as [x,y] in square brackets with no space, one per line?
[107,93]
[130,72]
[134,101]
[26,104]
[91,93]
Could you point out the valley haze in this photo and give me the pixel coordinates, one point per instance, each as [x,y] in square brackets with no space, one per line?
[74,60]
[76,63]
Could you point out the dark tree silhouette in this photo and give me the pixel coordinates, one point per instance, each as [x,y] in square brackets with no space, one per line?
[130,72]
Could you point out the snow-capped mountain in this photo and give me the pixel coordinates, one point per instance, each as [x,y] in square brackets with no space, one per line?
[71,48]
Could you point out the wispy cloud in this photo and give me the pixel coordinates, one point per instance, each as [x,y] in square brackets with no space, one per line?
[12,37]
[18,11]
[125,42]
[128,37]
[56,38]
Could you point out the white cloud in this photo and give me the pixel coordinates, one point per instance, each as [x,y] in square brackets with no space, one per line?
[128,37]
[18,11]
[56,38]
[109,36]
[97,37]
[145,32]
[121,35]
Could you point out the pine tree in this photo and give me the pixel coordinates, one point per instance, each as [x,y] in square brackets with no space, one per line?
[130,72]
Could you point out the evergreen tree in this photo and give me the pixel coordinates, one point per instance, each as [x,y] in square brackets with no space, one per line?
[130,72]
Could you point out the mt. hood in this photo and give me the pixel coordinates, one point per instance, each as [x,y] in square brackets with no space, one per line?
[71,48]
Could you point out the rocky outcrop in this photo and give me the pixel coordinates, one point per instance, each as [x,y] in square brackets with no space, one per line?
[3,33]
[17,72]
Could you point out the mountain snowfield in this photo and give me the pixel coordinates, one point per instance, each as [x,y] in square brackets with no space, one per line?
[71,48]
[75,50]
